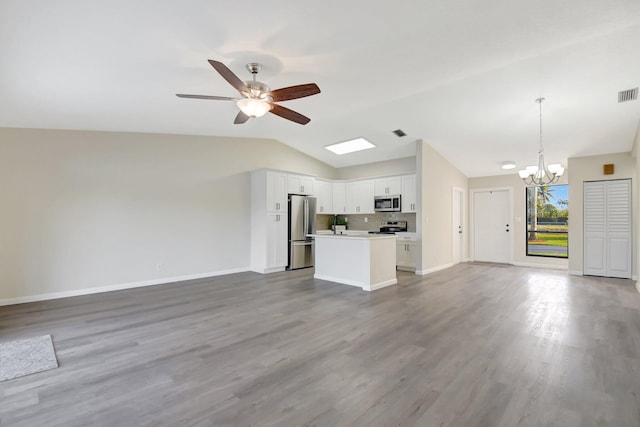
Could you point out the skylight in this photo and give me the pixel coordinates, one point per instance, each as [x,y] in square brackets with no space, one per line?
[350,146]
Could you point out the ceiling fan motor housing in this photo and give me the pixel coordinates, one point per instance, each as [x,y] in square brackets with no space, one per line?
[257,89]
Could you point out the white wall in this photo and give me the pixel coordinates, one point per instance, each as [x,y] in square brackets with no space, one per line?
[404,165]
[87,210]
[583,169]
[435,179]
[636,196]
[519,220]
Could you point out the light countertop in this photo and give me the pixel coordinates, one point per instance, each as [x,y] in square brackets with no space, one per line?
[354,236]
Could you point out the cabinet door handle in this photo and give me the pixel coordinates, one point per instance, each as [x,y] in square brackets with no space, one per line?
[302,188]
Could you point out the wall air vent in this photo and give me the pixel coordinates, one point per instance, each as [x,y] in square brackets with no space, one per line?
[399,133]
[628,95]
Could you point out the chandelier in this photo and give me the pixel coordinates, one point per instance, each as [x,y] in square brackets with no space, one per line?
[541,174]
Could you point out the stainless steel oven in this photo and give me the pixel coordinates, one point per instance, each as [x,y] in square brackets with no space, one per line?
[387,203]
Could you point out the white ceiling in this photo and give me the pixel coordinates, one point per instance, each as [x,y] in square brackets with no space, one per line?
[460,74]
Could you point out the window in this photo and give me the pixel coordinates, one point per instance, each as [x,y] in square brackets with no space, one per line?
[548,221]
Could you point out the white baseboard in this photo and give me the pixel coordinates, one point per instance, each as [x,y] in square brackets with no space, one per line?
[268,270]
[434,269]
[116,287]
[534,265]
[356,283]
[339,280]
[575,273]
[384,284]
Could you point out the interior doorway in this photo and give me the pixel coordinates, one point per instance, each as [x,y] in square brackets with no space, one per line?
[492,225]
[458,231]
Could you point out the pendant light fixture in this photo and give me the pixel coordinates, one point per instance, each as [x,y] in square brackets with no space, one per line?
[541,174]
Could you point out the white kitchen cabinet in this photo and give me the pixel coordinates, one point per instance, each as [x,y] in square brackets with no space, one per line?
[339,198]
[269,221]
[300,184]
[406,253]
[276,191]
[408,193]
[359,196]
[276,251]
[388,186]
[324,191]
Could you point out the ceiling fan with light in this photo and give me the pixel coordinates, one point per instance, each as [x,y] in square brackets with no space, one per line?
[257,98]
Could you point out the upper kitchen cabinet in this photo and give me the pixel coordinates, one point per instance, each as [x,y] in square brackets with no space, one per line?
[324,191]
[300,184]
[274,195]
[408,193]
[359,196]
[339,198]
[387,186]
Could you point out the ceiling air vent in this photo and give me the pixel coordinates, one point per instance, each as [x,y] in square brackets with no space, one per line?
[399,133]
[628,95]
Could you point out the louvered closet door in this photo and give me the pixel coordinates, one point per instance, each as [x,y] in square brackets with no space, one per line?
[607,228]
[619,234]
[594,229]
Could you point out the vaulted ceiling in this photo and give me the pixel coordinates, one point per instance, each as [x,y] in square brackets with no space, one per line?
[461,75]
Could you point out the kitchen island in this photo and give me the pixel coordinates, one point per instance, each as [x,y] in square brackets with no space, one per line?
[367,261]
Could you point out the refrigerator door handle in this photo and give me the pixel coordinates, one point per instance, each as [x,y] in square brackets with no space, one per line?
[305,221]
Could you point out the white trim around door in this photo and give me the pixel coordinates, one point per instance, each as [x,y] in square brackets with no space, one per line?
[458,225]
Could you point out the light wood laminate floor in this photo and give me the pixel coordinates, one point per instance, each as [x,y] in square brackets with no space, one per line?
[473,345]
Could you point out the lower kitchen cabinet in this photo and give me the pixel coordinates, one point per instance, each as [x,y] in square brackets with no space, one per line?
[277,251]
[269,251]
[406,251]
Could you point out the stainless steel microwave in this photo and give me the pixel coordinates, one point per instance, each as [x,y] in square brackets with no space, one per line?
[387,203]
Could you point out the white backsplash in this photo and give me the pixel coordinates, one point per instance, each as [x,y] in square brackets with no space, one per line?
[372,223]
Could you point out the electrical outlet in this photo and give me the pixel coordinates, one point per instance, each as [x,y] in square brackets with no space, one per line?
[159,266]
[366,219]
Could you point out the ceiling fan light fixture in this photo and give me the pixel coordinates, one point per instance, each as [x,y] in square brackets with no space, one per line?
[254,107]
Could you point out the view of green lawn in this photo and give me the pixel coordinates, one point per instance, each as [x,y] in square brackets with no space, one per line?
[549,235]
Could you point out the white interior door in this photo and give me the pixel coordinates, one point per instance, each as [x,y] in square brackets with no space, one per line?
[607,228]
[457,225]
[492,225]
[594,228]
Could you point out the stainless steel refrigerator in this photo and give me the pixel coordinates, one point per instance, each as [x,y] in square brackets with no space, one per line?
[302,222]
